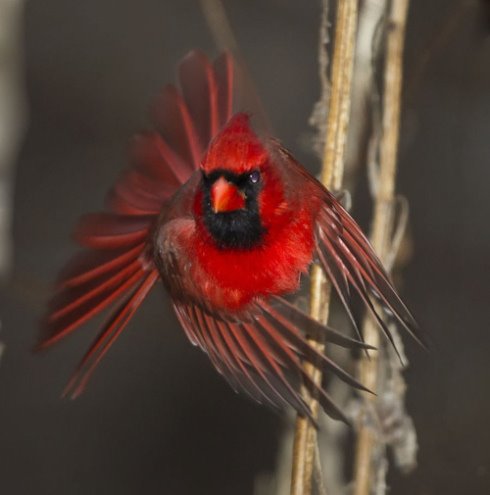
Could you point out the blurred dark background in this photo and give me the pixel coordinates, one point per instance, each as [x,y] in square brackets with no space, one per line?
[157,418]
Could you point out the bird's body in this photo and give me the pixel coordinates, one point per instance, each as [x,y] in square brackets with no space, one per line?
[228,259]
[229,222]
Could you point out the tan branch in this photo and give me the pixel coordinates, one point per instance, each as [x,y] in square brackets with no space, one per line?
[305,440]
[381,228]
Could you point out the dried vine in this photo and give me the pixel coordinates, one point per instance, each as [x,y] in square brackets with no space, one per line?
[305,440]
[381,237]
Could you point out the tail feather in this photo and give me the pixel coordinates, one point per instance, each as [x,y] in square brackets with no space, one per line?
[292,349]
[275,319]
[275,366]
[218,351]
[292,317]
[252,365]
[235,371]
[262,352]
[222,350]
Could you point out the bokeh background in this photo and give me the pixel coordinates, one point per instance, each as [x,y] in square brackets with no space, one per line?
[157,418]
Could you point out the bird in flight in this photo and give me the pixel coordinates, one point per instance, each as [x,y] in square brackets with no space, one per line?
[229,222]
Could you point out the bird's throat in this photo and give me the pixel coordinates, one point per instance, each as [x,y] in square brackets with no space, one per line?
[239,228]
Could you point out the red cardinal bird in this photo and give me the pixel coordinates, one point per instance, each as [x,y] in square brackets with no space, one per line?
[229,223]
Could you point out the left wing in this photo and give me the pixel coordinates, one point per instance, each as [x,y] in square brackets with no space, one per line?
[117,267]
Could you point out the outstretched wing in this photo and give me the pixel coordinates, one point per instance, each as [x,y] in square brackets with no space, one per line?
[117,267]
[352,266]
[347,256]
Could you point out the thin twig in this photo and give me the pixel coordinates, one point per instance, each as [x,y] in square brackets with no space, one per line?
[318,473]
[382,227]
[318,118]
[399,232]
[305,440]
[12,119]
[338,114]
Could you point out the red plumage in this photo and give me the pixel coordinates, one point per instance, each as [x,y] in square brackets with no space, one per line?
[229,222]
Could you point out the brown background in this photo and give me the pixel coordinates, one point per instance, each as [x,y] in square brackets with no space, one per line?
[157,418]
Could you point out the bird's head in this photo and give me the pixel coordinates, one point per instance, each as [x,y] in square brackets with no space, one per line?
[240,190]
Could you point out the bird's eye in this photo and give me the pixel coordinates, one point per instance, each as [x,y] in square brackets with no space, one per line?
[254,177]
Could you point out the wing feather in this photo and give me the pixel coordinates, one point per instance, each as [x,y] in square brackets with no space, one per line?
[91,264]
[108,231]
[198,83]
[350,262]
[172,119]
[224,74]
[153,156]
[117,263]
[54,329]
[71,299]
[108,335]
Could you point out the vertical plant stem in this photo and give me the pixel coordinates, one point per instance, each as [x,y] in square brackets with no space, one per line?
[12,118]
[381,228]
[305,439]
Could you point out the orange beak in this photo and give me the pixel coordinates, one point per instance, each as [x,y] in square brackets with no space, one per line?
[225,196]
